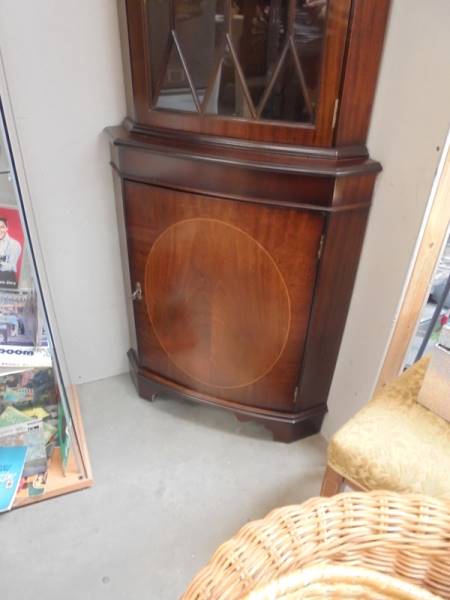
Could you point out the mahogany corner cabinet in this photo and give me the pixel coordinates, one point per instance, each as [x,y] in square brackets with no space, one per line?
[244,186]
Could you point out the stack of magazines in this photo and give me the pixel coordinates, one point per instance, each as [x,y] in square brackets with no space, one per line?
[29,418]
[29,397]
[23,340]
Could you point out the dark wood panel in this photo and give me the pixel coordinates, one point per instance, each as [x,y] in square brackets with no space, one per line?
[225,180]
[344,238]
[308,160]
[354,191]
[238,147]
[365,45]
[247,176]
[217,302]
[285,426]
[274,249]
[119,198]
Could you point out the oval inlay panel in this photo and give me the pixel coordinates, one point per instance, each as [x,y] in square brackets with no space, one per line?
[217,302]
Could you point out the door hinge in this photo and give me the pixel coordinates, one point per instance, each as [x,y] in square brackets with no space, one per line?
[295,394]
[137,294]
[335,112]
[319,251]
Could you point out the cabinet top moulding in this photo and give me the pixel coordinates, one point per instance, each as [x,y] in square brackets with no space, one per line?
[319,162]
[349,63]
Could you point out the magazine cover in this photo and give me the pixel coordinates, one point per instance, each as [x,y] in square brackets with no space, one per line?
[11,248]
[18,318]
[31,435]
[26,389]
[12,461]
[29,416]
[25,357]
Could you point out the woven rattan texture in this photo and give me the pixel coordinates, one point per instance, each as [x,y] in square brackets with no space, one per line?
[339,582]
[407,536]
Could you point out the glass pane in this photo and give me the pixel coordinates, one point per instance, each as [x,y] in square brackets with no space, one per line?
[286,100]
[175,91]
[259,32]
[210,102]
[199,26]
[34,408]
[309,34]
[267,27]
[200,29]
[227,96]
[218,37]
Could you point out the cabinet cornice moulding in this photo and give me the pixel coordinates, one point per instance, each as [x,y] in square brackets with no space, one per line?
[322,162]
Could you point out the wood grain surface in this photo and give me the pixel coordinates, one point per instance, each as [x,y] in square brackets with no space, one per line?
[227,291]
[217,302]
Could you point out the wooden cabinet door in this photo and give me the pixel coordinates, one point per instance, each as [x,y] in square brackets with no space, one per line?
[227,291]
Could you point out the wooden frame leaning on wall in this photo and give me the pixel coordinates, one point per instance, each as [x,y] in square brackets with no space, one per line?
[428,252]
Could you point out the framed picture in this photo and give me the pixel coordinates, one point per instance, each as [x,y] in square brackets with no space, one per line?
[11,248]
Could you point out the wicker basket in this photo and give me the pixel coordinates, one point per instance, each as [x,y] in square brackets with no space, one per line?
[406,536]
[339,581]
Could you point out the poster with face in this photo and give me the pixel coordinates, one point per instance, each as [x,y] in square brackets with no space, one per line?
[11,248]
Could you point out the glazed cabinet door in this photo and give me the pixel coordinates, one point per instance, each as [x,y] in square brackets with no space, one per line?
[226,288]
[263,70]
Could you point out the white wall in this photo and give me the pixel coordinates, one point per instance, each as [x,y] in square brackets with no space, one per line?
[63,67]
[409,125]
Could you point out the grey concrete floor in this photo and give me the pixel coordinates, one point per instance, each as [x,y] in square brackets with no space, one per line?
[172,481]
